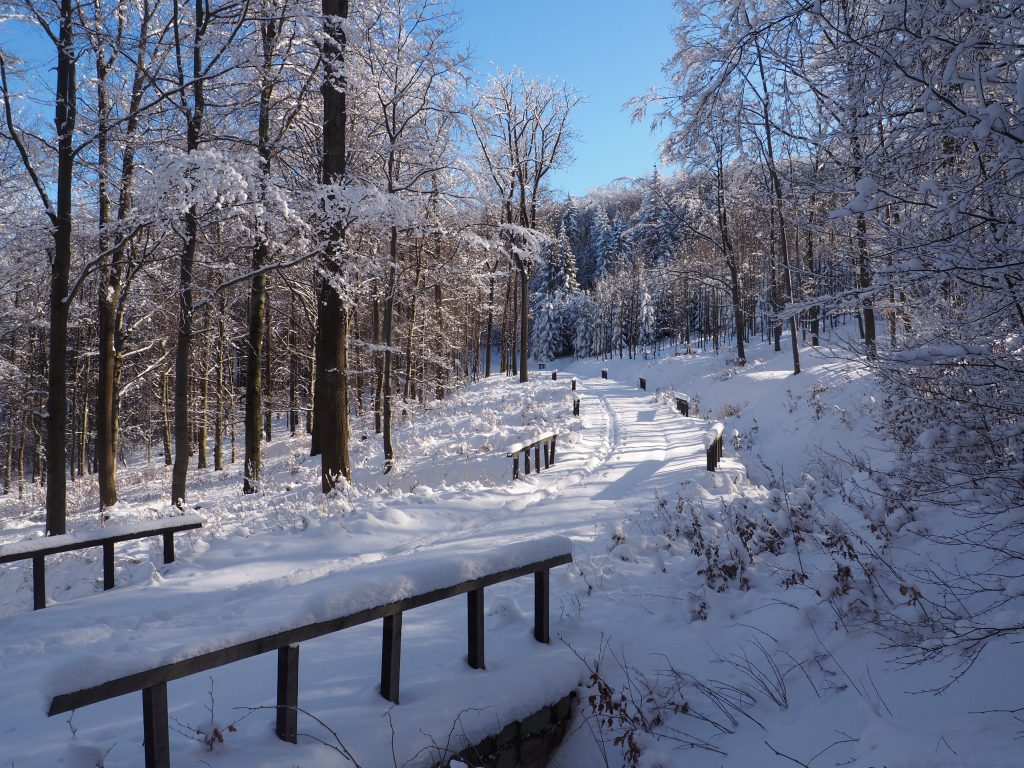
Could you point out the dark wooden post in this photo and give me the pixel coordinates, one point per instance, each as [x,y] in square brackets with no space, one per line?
[287,727]
[711,458]
[554,375]
[541,605]
[604,373]
[536,456]
[515,466]
[108,565]
[475,625]
[540,366]
[576,407]
[547,458]
[643,383]
[574,384]
[526,459]
[38,582]
[554,438]
[683,406]
[391,657]
[168,547]
[156,739]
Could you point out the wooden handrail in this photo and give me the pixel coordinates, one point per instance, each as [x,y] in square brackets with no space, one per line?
[713,444]
[545,442]
[37,549]
[518,560]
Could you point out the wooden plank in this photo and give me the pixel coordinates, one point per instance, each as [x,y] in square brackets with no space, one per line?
[156,739]
[38,582]
[46,548]
[475,625]
[542,606]
[391,657]
[168,547]
[287,726]
[108,565]
[65,702]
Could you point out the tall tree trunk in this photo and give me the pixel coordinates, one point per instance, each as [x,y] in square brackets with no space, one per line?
[268,375]
[387,334]
[218,421]
[254,368]
[186,280]
[331,399]
[524,321]
[165,416]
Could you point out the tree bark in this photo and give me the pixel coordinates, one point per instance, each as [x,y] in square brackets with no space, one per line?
[331,399]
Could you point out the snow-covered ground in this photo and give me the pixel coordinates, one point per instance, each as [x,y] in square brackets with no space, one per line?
[706,618]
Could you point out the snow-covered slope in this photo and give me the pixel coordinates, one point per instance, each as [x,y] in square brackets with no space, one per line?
[716,602]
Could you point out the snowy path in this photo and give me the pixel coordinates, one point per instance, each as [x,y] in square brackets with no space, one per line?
[629,446]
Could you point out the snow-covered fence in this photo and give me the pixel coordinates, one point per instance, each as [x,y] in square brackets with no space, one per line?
[713,444]
[683,404]
[38,549]
[383,590]
[544,442]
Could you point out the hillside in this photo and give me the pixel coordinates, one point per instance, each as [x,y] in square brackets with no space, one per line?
[734,618]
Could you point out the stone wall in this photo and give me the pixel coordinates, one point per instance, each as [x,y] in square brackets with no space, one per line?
[527,743]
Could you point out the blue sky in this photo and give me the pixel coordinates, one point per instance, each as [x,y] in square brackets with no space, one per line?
[610,50]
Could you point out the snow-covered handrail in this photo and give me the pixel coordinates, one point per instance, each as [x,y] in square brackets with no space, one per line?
[376,591]
[713,444]
[683,403]
[545,442]
[37,549]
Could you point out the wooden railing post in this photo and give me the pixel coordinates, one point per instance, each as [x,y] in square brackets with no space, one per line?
[168,547]
[475,626]
[526,459]
[38,582]
[574,384]
[156,739]
[108,565]
[554,375]
[576,407]
[287,727]
[604,373]
[536,456]
[541,605]
[643,383]
[515,467]
[547,457]
[391,657]
[554,439]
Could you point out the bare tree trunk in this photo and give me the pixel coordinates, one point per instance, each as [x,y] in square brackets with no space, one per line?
[60,273]
[218,421]
[165,413]
[331,400]
[268,375]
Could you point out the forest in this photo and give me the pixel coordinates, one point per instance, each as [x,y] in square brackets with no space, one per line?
[248,207]
[227,221]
